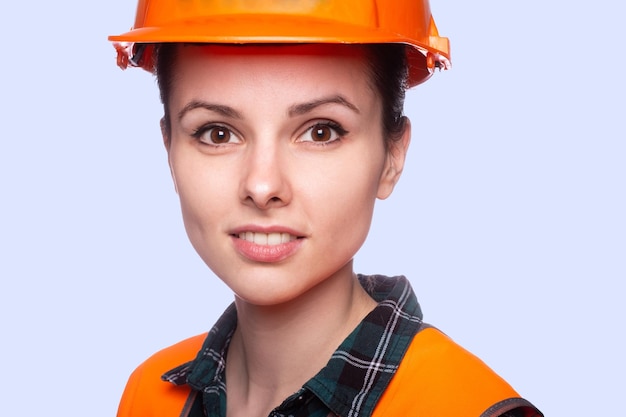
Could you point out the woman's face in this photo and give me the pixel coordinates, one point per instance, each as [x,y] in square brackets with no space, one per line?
[277,154]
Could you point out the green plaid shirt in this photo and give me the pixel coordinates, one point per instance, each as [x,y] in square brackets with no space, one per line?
[354,378]
[350,384]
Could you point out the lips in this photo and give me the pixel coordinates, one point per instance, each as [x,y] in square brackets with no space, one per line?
[266,247]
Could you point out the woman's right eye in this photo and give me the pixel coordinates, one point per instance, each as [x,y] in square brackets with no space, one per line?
[216,135]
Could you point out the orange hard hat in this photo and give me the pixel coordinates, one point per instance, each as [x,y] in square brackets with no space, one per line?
[287,21]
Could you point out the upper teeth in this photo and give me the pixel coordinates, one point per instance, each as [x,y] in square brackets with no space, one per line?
[266,238]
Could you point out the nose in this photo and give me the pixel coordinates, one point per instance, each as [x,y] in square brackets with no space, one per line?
[265,183]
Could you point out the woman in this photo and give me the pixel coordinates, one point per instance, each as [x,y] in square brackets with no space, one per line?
[283,124]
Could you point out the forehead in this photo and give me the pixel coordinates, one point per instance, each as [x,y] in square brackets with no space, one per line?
[301,67]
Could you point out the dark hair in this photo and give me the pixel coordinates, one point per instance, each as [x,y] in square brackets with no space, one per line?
[390,71]
[387,63]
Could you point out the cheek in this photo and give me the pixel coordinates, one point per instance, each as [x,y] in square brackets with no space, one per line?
[204,205]
[344,198]
[200,192]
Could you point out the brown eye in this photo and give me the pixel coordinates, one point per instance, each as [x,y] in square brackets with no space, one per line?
[216,135]
[219,135]
[321,133]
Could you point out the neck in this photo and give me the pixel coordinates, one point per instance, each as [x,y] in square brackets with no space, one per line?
[276,349]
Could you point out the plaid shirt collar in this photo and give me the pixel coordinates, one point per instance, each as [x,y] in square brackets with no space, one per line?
[357,373]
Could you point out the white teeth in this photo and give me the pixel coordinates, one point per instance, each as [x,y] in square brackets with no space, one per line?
[266,238]
[273,239]
[260,238]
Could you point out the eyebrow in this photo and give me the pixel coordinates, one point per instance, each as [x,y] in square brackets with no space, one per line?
[295,110]
[300,109]
[217,108]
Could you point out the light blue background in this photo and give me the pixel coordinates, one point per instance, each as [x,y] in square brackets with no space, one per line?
[509,219]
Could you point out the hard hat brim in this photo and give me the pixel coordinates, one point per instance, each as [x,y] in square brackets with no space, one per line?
[238,29]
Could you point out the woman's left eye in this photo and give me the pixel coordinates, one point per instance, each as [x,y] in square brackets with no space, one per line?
[323,133]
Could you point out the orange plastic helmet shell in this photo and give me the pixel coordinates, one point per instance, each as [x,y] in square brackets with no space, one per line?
[287,21]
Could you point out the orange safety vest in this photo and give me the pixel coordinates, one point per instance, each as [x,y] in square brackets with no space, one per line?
[436,378]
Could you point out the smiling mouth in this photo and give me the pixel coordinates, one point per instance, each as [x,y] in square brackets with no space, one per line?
[259,238]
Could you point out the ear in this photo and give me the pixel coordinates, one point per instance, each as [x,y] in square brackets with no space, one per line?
[394,163]
[167,142]
[165,133]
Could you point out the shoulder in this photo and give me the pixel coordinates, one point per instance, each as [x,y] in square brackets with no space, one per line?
[172,356]
[439,377]
[146,394]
